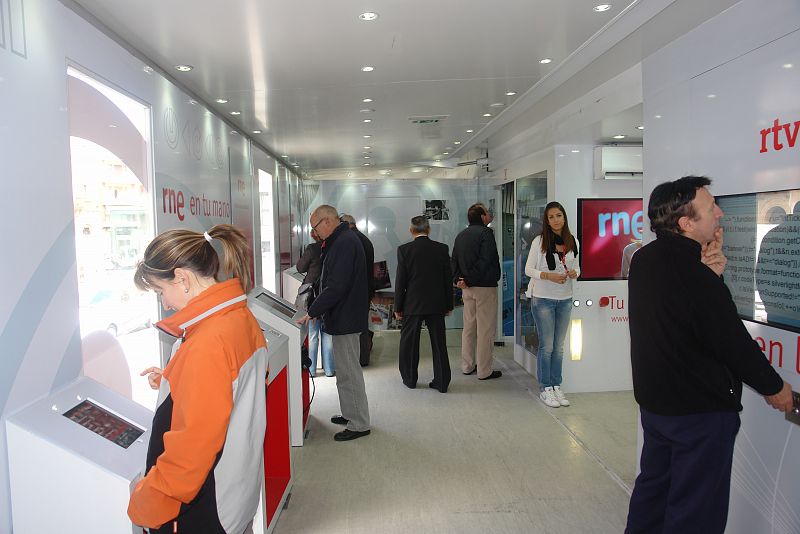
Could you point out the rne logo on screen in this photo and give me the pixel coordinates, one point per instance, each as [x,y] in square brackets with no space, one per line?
[789,132]
[631,224]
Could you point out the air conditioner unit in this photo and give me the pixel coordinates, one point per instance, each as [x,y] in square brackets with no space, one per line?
[618,163]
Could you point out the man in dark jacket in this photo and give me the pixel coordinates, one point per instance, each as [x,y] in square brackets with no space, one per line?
[476,270]
[690,354]
[365,339]
[423,292]
[340,303]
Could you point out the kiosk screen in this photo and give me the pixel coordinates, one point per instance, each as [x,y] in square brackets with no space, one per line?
[762,244]
[101,421]
[276,305]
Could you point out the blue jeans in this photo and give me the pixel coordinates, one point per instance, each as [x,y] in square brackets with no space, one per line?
[315,334]
[551,318]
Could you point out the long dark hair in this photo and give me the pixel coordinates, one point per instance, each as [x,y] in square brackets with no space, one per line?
[549,237]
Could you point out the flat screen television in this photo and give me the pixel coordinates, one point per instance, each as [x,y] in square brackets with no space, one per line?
[762,244]
[610,232]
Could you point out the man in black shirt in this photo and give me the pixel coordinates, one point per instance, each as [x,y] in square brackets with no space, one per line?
[690,354]
[476,270]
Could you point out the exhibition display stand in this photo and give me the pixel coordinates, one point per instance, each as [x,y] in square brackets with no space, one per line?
[282,316]
[74,456]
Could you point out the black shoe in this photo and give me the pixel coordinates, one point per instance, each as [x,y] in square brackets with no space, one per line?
[409,385]
[347,435]
[434,385]
[495,374]
[474,370]
[339,420]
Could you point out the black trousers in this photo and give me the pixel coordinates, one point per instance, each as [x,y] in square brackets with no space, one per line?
[409,350]
[684,485]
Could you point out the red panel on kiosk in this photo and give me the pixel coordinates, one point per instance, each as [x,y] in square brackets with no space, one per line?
[277,466]
[306,398]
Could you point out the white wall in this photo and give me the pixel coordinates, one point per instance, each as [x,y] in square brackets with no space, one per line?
[605,363]
[740,57]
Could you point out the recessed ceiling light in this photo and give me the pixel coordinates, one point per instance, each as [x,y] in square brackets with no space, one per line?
[416,169]
[366,100]
[192,101]
[446,153]
[256,131]
[285,156]
[236,112]
[295,165]
[367,157]
[366,136]
[367,68]
[545,61]
[470,131]
[712,95]
[367,164]
[487,114]
[368,15]
[640,127]
[437,160]
[367,147]
[183,68]
[366,110]
[367,120]
[602,7]
[222,101]
[148,69]
[619,137]
[511,93]
[234,132]
[112,125]
[658,116]
[787,65]
[575,151]
[456,142]
[496,105]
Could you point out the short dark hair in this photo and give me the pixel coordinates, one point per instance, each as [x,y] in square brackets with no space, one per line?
[475,212]
[420,224]
[672,200]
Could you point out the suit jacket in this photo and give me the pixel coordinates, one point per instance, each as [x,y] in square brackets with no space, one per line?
[424,281]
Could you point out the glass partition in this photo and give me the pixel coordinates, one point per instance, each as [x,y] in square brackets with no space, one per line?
[531,198]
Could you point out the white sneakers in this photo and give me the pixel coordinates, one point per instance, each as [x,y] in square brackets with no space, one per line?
[553,397]
[562,400]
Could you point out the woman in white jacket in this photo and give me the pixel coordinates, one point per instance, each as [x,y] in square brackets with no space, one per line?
[552,265]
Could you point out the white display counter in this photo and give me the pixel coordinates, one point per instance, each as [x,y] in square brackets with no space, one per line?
[74,457]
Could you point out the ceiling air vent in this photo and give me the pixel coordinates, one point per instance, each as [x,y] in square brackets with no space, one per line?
[429,126]
[430,119]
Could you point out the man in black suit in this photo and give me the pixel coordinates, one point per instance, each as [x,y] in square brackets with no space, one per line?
[424,292]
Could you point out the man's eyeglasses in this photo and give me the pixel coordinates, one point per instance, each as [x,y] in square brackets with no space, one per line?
[314,226]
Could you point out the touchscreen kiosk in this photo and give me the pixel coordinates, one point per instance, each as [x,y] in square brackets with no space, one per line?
[277,445]
[275,313]
[74,457]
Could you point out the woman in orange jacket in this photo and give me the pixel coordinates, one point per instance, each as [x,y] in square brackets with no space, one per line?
[205,461]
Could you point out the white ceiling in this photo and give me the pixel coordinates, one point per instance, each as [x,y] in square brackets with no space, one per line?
[292,68]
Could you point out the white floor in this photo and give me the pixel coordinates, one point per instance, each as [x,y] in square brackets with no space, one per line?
[484,457]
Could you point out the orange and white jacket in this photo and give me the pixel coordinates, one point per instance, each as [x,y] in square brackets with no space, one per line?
[205,462]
